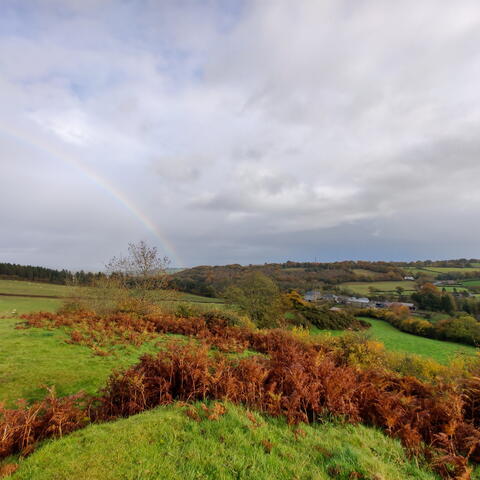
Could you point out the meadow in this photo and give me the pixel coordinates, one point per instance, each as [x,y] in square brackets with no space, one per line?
[363,288]
[18,287]
[397,341]
[240,444]
[401,342]
[166,444]
[37,289]
[436,270]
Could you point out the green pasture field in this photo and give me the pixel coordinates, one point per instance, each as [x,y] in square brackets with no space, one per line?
[34,358]
[362,271]
[453,269]
[453,288]
[12,306]
[397,341]
[419,270]
[435,271]
[471,283]
[362,288]
[165,444]
[19,287]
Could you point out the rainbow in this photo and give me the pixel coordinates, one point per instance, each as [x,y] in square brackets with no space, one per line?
[119,196]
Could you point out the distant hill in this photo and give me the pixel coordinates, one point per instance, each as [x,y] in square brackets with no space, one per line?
[212,280]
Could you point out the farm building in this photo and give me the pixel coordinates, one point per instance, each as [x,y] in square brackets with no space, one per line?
[313,296]
[358,301]
[410,306]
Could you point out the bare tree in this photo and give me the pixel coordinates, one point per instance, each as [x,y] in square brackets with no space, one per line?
[141,272]
[140,264]
[135,282]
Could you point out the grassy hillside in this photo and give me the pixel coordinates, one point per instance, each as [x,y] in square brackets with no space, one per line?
[30,359]
[166,444]
[397,341]
[362,288]
[19,287]
[17,305]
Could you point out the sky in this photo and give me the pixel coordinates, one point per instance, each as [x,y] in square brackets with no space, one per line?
[237,131]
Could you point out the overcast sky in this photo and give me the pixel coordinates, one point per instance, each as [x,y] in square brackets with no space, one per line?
[239,131]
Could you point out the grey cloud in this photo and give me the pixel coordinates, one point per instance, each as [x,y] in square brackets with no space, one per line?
[244,131]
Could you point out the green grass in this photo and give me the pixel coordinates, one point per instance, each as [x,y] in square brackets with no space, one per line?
[164,444]
[452,269]
[453,288]
[19,287]
[11,305]
[362,271]
[471,283]
[397,341]
[433,272]
[190,297]
[32,358]
[362,288]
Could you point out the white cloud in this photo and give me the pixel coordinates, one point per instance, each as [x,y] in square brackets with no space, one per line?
[235,129]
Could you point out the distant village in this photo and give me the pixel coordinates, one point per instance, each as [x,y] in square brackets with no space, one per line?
[317,296]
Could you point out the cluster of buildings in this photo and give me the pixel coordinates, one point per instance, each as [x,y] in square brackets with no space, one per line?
[317,296]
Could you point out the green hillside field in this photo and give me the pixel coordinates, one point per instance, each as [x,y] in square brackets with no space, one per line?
[165,443]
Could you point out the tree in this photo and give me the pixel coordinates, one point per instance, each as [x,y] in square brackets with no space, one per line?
[138,278]
[258,296]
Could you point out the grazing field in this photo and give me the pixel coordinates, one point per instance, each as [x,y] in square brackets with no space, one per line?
[435,271]
[34,358]
[397,341]
[453,288]
[165,444]
[453,269]
[148,446]
[362,288]
[11,306]
[18,287]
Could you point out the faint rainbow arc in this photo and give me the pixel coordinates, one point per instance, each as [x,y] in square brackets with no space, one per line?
[102,182]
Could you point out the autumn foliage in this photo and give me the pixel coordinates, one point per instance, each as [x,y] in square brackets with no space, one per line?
[297,378]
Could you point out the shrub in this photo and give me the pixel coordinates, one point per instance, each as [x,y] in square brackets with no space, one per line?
[22,427]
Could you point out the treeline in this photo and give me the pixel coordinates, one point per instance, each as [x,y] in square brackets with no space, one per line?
[468,275]
[13,271]
[431,298]
[455,263]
